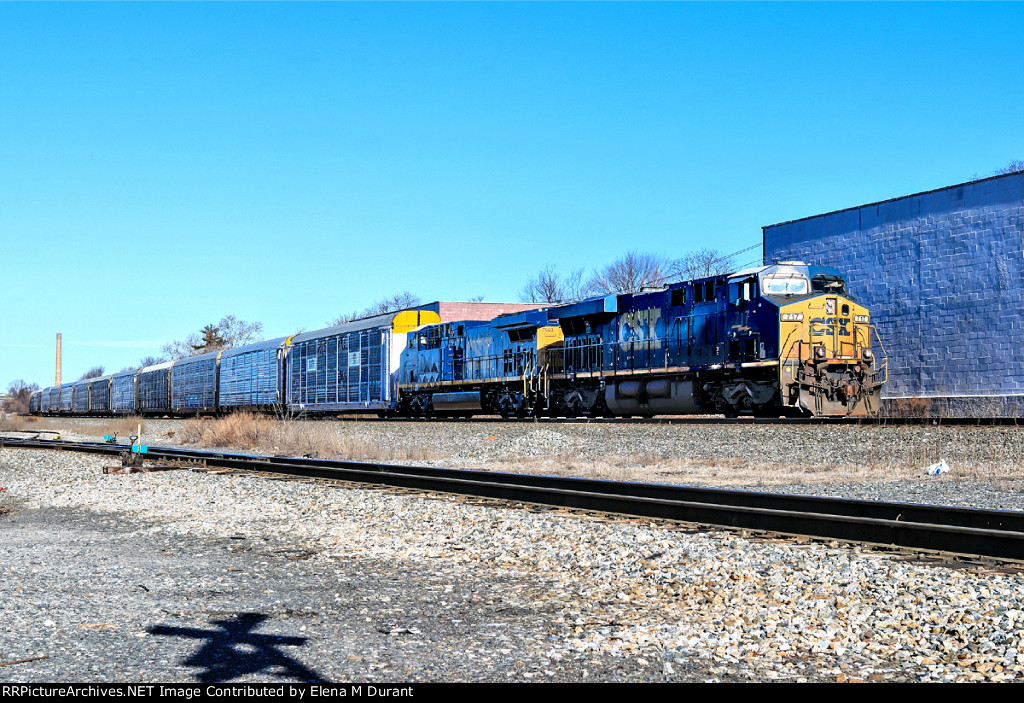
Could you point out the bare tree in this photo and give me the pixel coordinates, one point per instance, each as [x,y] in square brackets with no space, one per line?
[548,286]
[237,332]
[1016,166]
[146,361]
[630,272]
[19,393]
[181,348]
[701,264]
[94,372]
[228,332]
[399,301]
[342,319]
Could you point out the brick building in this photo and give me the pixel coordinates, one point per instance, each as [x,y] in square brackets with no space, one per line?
[459,310]
[943,275]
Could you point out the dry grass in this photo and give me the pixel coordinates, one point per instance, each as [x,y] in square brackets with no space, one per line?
[14,423]
[953,407]
[121,425]
[907,407]
[241,431]
[312,439]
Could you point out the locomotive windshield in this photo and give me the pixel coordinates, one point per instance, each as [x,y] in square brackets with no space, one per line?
[784,284]
[829,284]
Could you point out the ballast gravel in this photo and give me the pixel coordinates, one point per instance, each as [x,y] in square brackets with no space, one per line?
[186,576]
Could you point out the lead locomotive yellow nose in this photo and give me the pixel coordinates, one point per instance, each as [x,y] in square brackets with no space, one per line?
[827,366]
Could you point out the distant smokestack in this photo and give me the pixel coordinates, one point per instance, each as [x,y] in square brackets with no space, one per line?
[58,359]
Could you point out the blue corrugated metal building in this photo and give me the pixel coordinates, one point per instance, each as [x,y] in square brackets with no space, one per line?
[943,275]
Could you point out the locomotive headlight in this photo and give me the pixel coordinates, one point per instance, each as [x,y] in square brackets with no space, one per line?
[792,317]
[819,352]
[868,356]
[861,319]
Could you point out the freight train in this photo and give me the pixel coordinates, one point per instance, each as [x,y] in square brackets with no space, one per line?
[781,339]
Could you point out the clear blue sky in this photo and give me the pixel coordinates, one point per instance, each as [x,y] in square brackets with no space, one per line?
[166,164]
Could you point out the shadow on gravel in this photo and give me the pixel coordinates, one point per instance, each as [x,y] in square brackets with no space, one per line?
[235,650]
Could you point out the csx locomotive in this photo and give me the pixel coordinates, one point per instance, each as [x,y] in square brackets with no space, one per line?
[783,339]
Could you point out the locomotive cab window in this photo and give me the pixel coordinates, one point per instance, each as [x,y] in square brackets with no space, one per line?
[784,284]
[703,291]
[742,291]
[829,284]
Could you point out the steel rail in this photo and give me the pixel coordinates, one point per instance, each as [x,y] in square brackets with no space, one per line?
[744,421]
[973,531]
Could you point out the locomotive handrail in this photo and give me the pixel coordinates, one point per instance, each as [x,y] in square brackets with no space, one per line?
[796,342]
[885,355]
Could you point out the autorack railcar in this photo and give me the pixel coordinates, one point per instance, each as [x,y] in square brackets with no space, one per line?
[153,389]
[99,395]
[193,384]
[349,367]
[123,385]
[251,377]
[80,402]
[65,398]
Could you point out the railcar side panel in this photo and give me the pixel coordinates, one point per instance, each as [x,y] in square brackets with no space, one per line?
[193,384]
[99,395]
[251,377]
[154,389]
[123,391]
[81,398]
[65,402]
[349,367]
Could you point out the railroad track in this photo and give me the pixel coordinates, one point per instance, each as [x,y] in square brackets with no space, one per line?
[968,531]
[717,420]
[745,421]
